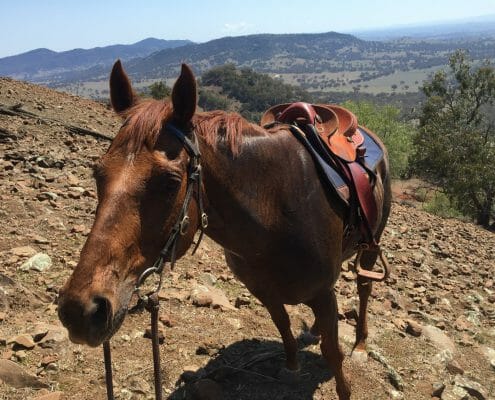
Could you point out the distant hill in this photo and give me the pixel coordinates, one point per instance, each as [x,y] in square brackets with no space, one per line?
[263,52]
[320,62]
[44,65]
[460,29]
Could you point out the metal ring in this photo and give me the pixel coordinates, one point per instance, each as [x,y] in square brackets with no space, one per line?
[184,225]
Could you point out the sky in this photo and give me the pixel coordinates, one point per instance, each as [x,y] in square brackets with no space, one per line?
[67,24]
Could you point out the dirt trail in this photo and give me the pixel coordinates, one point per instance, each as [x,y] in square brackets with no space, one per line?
[431,326]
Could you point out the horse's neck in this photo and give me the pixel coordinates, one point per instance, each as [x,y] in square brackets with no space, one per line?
[237,188]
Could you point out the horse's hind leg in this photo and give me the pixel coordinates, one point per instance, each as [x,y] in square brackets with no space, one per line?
[364,287]
[324,307]
[282,322]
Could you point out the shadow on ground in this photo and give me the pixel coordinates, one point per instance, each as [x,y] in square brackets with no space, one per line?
[250,370]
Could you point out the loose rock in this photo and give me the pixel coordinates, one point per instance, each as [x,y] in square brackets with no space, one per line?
[14,375]
[39,262]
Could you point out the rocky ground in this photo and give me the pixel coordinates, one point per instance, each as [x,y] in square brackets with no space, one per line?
[432,325]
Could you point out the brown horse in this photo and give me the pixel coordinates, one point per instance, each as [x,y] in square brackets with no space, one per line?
[282,232]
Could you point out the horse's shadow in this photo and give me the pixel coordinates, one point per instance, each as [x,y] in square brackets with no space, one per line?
[250,370]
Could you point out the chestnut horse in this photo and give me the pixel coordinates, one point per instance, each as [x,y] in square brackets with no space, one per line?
[282,232]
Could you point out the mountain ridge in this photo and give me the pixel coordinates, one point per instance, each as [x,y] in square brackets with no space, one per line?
[39,64]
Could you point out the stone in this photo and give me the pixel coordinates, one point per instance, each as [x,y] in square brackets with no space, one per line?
[395,394]
[454,368]
[473,388]
[234,322]
[139,385]
[219,300]
[208,278]
[161,334]
[452,392]
[202,299]
[54,336]
[437,389]
[413,328]
[39,262]
[43,196]
[242,300]
[204,296]
[167,320]
[50,396]
[49,359]
[23,251]
[40,239]
[3,316]
[438,339]
[208,348]
[14,375]
[23,341]
[21,355]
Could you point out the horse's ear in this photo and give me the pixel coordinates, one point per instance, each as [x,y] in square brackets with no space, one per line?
[184,95]
[121,94]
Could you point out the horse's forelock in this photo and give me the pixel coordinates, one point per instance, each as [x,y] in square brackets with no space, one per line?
[143,123]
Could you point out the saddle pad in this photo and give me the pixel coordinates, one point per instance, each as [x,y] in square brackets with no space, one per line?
[331,179]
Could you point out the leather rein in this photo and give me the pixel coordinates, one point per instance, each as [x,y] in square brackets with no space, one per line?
[168,252]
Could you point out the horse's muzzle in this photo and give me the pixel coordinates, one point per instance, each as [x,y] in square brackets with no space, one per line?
[89,322]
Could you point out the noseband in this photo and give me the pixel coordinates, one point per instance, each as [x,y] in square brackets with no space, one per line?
[168,252]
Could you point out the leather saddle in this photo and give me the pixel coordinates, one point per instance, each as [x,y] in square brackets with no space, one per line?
[336,126]
[338,146]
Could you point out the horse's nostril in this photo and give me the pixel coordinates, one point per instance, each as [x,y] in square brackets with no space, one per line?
[101,314]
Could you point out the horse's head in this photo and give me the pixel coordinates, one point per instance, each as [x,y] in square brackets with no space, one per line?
[141,183]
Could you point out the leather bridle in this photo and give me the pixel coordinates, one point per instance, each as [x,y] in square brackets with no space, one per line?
[168,252]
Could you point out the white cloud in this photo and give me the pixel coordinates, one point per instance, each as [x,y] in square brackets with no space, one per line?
[236,28]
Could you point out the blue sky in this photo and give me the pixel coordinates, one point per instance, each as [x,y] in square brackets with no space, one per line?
[65,24]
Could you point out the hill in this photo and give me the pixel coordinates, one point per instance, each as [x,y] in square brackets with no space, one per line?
[323,62]
[44,65]
[483,26]
[431,326]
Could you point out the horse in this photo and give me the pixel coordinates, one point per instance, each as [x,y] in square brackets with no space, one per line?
[282,232]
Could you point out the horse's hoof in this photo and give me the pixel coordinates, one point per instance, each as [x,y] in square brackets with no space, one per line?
[359,356]
[309,339]
[289,376]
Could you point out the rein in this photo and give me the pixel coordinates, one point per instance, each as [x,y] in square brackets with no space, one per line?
[151,301]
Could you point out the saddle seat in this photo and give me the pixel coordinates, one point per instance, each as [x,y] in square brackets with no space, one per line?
[336,126]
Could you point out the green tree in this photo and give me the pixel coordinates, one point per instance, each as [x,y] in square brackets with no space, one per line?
[159,90]
[211,100]
[396,134]
[254,91]
[455,144]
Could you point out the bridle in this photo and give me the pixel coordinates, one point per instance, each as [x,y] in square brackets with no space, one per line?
[151,301]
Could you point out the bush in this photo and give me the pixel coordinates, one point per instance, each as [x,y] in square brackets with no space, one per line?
[396,134]
[455,142]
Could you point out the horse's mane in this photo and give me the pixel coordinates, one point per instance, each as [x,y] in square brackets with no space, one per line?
[144,122]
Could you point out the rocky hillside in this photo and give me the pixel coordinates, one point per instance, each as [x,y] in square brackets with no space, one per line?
[432,325]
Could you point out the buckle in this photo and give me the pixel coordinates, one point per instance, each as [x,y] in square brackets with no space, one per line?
[204,220]
[184,225]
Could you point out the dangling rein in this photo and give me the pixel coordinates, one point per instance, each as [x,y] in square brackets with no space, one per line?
[151,301]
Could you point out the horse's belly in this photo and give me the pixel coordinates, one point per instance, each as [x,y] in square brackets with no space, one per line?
[286,279]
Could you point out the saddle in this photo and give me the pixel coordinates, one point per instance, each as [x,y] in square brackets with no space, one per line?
[338,146]
[336,126]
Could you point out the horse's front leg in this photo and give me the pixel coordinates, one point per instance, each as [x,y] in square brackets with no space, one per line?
[282,322]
